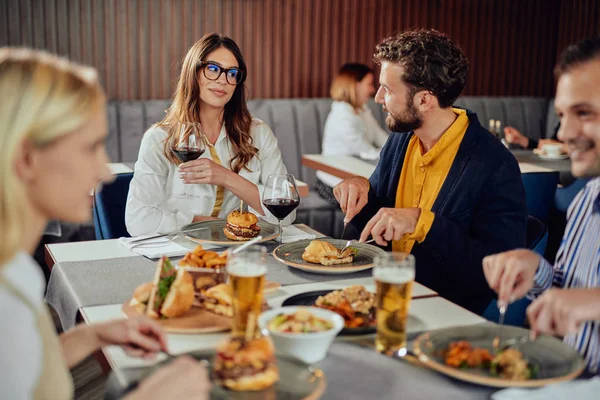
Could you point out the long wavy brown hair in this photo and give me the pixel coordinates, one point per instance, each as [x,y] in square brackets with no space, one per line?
[186,101]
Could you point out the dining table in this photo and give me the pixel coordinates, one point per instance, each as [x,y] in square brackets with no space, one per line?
[346,166]
[91,280]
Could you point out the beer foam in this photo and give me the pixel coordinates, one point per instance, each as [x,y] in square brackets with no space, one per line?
[246,270]
[394,275]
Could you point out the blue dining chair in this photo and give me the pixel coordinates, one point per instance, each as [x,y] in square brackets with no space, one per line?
[109,207]
[537,238]
[539,192]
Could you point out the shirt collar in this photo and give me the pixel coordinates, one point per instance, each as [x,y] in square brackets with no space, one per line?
[454,132]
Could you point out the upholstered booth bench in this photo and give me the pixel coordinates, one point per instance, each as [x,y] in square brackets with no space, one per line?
[298,125]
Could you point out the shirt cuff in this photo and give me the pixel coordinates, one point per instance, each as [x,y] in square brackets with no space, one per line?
[542,279]
[183,219]
[424,224]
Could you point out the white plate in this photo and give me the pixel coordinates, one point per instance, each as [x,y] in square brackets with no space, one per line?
[549,157]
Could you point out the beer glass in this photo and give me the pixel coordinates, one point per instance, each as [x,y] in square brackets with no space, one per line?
[394,274]
[247,270]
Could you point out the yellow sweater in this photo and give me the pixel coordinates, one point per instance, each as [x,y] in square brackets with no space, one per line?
[423,175]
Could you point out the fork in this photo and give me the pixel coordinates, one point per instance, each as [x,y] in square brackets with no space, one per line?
[351,242]
[498,339]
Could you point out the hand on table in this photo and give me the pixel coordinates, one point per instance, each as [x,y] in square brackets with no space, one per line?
[184,378]
[139,337]
[353,195]
[562,311]
[510,274]
[391,224]
[204,170]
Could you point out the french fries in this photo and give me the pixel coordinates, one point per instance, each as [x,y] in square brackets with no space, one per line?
[200,258]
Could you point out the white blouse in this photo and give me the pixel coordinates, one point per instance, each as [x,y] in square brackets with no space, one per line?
[348,133]
[20,339]
[155,202]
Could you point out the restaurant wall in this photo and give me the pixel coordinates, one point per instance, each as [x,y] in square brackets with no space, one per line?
[294,47]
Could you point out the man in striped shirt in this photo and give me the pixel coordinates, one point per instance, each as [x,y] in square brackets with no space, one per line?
[571,308]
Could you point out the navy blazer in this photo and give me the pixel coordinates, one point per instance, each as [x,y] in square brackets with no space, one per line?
[480,210]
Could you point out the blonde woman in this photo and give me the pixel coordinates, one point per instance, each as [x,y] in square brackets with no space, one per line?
[350,128]
[52,133]
[241,154]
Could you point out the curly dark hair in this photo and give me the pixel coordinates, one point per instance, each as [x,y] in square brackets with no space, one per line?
[431,62]
[578,53]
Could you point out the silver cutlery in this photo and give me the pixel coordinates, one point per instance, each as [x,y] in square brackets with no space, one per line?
[498,339]
[351,242]
[514,342]
[174,233]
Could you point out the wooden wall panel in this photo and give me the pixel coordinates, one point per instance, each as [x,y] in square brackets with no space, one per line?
[294,47]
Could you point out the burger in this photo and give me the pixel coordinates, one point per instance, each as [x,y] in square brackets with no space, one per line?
[246,365]
[170,295]
[324,253]
[217,299]
[241,226]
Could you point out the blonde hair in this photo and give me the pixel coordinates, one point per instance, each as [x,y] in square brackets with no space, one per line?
[343,87]
[44,97]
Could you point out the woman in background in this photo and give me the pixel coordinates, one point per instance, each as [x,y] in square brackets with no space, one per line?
[350,128]
[52,133]
[242,151]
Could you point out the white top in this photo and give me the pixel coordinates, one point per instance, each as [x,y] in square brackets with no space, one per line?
[349,133]
[20,340]
[154,202]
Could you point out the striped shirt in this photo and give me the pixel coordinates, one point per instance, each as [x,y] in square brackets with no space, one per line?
[578,266]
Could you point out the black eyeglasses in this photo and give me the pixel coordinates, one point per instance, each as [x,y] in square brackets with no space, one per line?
[213,71]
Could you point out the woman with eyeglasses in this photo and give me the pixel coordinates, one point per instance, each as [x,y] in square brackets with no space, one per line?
[166,194]
[52,133]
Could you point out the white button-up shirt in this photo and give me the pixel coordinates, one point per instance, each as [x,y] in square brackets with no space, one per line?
[155,202]
[351,134]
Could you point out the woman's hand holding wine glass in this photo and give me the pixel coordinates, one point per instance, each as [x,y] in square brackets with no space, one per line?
[187,143]
[280,197]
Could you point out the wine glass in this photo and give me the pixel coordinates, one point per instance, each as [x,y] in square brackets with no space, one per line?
[280,197]
[187,143]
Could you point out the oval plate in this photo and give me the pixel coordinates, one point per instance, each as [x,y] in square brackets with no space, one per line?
[296,381]
[291,254]
[310,298]
[214,232]
[557,361]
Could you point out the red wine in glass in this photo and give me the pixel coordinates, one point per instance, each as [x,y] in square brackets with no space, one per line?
[281,208]
[280,197]
[187,143]
[187,154]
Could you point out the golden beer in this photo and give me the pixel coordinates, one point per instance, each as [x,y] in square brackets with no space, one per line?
[394,282]
[247,278]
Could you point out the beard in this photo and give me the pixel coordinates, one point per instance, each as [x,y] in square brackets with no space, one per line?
[407,120]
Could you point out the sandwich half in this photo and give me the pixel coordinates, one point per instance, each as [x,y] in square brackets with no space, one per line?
[217,299]
[172,293]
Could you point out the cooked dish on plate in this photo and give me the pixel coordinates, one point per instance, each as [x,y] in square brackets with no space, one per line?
[324,253]
[243,365]
[354,303]
[206,267]
[507,364]
[169,295]
[302,321]
[241,226]
[217,299]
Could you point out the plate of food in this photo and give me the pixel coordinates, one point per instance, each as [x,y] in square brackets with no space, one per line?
[237,229]
[190,298]
[323,256]
[467,353]
[169,298]
[355,304]
[249,370]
